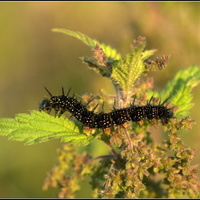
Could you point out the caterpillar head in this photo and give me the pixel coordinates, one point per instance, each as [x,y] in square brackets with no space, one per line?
[44,105]
[166,115]
[169,114]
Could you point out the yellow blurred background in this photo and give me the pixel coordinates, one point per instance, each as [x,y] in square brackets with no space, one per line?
[32,56]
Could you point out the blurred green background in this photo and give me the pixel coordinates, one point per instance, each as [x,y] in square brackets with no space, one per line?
[32,56]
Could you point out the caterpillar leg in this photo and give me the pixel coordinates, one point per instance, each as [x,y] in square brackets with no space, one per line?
[107,131]
[89,131]
[125,125]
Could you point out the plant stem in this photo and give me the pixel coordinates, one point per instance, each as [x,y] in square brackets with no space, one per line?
[100,157]
[129,140]
[112,149]
[107,182]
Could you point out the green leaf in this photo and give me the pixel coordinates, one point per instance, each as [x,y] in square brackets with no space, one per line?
[110,52]
[179,90]
[41,127]
[124,71]
[127,70]
[103,70]
[90,61]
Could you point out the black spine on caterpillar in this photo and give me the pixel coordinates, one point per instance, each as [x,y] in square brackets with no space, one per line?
[63,103]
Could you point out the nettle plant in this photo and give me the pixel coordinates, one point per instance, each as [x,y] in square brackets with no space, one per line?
[136,166]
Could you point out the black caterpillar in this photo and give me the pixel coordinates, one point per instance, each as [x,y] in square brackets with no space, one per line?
[103,120]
